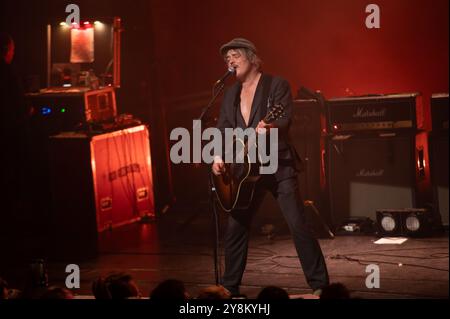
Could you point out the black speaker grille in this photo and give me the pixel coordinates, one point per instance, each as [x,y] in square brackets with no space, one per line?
[368,173]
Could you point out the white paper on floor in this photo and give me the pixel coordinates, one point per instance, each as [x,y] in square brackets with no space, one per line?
[391,240]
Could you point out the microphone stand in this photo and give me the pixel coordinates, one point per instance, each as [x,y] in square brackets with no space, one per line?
[217,89]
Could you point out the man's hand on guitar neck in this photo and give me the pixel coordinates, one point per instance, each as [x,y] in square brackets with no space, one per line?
[218,167]
[264,128]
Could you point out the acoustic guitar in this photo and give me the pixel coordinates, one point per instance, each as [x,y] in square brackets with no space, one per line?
[235,187]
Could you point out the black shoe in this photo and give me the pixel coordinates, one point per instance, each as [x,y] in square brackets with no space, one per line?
[234,291]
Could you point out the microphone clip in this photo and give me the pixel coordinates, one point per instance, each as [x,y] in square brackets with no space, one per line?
[230,71]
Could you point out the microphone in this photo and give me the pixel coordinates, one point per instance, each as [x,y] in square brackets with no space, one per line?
[230,71]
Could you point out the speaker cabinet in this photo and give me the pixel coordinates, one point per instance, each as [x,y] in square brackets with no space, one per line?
[439,113]
[98,183]
[439,175]
[308,136]
[439,155]
[367,173]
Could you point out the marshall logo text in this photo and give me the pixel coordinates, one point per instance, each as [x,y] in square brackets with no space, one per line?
[370,172]
[363,112]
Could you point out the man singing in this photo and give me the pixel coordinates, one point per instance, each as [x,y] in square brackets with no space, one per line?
[245,105]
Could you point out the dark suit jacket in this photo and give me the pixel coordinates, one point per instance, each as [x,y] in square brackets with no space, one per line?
[279,93]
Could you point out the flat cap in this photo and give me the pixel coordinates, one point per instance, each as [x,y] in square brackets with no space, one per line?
[237,43]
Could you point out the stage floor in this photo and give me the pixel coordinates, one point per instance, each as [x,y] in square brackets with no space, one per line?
[181,247]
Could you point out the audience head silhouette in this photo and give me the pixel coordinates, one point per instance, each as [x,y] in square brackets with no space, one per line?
[272,293]
[170,289]
[335,291]
[115,286]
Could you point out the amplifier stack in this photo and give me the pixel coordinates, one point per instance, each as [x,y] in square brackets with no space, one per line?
[377,156]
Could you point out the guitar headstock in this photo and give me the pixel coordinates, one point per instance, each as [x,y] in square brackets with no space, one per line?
[276,112]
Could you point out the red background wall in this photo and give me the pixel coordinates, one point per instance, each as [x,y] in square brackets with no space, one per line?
[323,45]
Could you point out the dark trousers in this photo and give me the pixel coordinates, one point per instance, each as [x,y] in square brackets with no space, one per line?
[237,235]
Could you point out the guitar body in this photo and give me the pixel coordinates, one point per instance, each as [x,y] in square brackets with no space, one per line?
[235,187]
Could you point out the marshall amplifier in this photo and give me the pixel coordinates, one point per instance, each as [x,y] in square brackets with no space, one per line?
[439,113]
[369,172]
[375,113]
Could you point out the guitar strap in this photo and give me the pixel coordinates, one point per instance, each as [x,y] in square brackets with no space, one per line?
[268,99]
[267,86]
